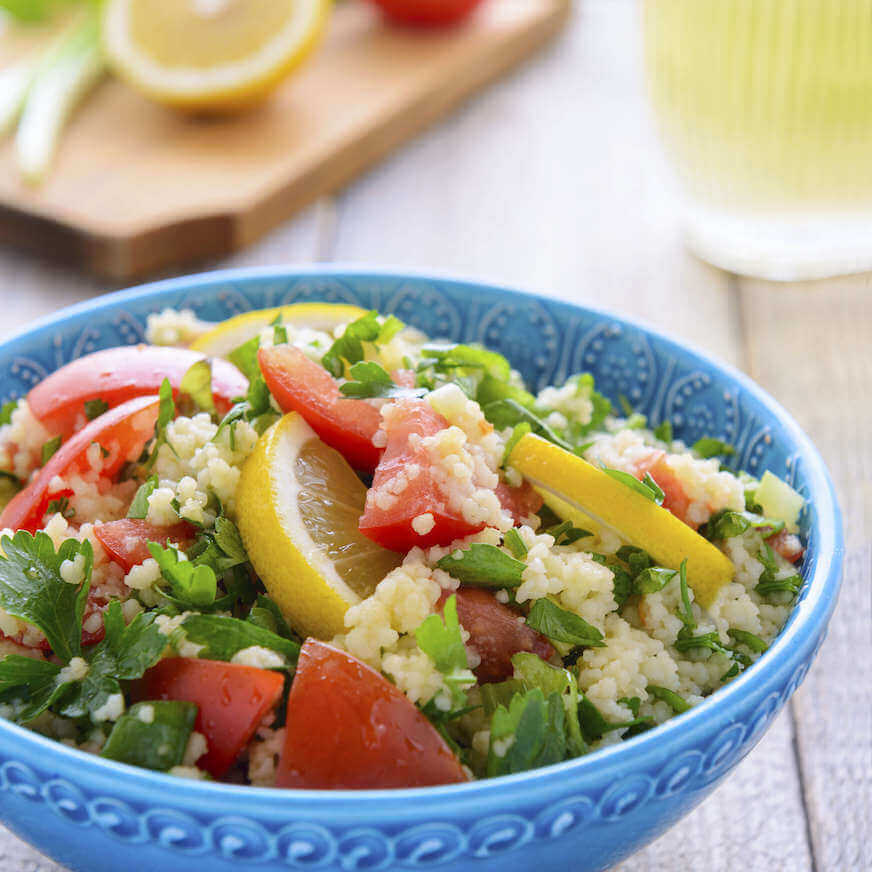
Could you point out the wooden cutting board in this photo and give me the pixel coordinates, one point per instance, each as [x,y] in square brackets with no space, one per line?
[137,188]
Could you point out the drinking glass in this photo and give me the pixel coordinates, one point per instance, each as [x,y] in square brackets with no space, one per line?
[765,109]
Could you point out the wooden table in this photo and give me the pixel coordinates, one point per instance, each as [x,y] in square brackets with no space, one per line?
[553,181]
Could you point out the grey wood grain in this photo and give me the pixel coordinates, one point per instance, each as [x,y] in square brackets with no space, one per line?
[824,329]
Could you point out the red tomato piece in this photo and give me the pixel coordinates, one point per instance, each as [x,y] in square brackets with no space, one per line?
[122,434]
[351,729]
[520,502]
[301,385]
[126,541]
[120,374]
[787,545]
[675,498]
[427,13]
[233,701]
[496,633]
[392,527]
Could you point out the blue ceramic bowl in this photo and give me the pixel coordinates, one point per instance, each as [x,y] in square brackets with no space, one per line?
[97,816]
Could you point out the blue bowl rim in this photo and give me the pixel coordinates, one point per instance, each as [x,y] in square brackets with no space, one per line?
[784,654]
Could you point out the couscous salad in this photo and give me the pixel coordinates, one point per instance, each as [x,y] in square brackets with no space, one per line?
[308,547]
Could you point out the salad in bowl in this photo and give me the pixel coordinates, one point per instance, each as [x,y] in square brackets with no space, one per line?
[312,547]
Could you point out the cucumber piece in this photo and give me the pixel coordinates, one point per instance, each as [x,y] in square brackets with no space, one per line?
[780,501]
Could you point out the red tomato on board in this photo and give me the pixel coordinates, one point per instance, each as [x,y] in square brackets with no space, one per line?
[520,502]
[120,374]
[233,701]
[122,432]
[427,13]
[496,633]
[301,385]
[126,541]
[392,527]
[351,729]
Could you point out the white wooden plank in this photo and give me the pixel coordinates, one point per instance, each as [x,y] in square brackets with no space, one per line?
[811,345]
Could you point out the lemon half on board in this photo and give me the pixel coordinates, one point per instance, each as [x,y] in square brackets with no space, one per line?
[298,506]
[556,472]
[230,334]
[206,55]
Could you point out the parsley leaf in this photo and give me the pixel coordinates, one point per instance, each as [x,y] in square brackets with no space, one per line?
[637,559]
[49,449]
[222,637]
[727,523]
[647,488]
[685,610]
[663,431]
[513,541]
[39,682]
[62,505]
[653,579]
[166,413]
[710,447]
[565,533]
[245,358]
[158,741]
[95,408]
[768,582]
[349,346]
[32,589]
[561,625]
[139,505]
[441,641]
[125,654]
[197,384]
[533,727]
[594,726]
[445,358]
[372,380]
[677,703]
[267,615]
[510,413]
[483,566]
[192,585]
[749,640]
[6,411]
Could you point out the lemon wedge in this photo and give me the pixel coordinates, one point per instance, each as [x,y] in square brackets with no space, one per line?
[206,55]
[230,334]
[566,479]
[298,505]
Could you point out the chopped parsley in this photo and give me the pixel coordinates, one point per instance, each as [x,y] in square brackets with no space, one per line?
[440,639]
[348,348]
[519,431]
[663,431]
[245,358]
[166,413]
[769,583]
[192,585]
[371,380]
[32,589]
[710,447]
[647,488]
[158,741]
[139,505]
[483,566]
[6,411]
[677,703]
[222,637]
[95,408]
[49,449]
[561,625]
[197,384]
[513,541]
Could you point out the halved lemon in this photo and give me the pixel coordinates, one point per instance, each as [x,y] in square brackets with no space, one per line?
[298,505]
[209,54]
[564,478]
[230,334]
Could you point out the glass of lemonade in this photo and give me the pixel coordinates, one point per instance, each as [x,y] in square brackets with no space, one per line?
[765,107]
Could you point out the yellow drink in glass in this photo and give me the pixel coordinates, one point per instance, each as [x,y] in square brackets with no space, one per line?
[765,107]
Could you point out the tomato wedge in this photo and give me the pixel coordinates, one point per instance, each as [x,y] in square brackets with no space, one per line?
[120,374]
[126,541]
[301,385]
[675,498]
[787,545]
[496,633]
[520,502]
[349,728]
[122,434]
[427,13]
[233,701]
[391,525]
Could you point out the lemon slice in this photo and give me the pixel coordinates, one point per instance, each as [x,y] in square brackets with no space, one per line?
[209,54]
[298,505]
[230,334]
[564,478]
